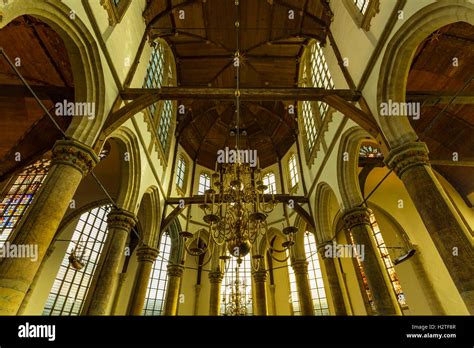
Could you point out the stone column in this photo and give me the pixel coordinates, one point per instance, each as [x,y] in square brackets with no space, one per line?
[215,279]
[70,163]
[410,162]
[119,223]
[26,299]
[175,272]
[260,299]
[146,257]
[357,221]
[333,280]
[305,298]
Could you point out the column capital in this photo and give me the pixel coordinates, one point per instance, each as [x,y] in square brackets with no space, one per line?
[259,276]
[406,156]
[300,266]
[175,270]
[147,254]
[75,154]
[356,216]
[122,219]
[215,277]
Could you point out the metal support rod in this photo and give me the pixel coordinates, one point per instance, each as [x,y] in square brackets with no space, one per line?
[2,51]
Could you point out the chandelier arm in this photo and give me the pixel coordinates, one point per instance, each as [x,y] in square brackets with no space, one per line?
[279,260]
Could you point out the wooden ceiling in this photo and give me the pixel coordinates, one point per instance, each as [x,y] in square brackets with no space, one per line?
[203,37]
[43,61]
[447,128]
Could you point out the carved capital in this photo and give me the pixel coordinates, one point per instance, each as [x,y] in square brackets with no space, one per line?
[121,219]
[215,277]
[406,156]
[259,276]
[75,154]
[147,254]
[300,266]
[175,270]
[356,216]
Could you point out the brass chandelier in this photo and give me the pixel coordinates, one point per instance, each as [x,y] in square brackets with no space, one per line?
[235,208]
[236,304]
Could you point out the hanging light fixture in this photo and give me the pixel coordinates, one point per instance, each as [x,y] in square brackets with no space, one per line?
[235,208]
[237,302]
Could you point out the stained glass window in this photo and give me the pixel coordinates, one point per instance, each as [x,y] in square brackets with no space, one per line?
[71,285]
[204,183]
[228,286]
[19,196]
[362,274]
[155,296]
[315,276]
[388,262]
[388,266]
[294,179]
[269,181]
[369,151]
[181,173]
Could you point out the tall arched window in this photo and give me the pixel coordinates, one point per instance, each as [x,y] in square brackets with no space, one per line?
[228,286]
[160,73]
[155,296]
[397,288]
[315,276]
[293,170]
[154,72]
[269,181]
[181,174]
[19,197]
[71,285]
[315,73]
[320,75]
[204,183]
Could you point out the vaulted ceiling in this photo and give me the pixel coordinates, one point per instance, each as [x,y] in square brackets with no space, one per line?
[443,66]
[41,57]
[203,37]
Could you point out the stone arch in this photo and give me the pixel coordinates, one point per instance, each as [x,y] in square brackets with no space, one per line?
[83,55]
[130,169]
[347,169]
[148,215]
[177,247]
[324,216]
[78,212]
[399,55]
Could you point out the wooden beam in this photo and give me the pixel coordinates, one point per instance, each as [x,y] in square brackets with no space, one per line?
[120,116]
[43,92]
[252,94]
[304,215]
[354,113]
[467,163]
[170,218]
[199,199]
[431,98]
